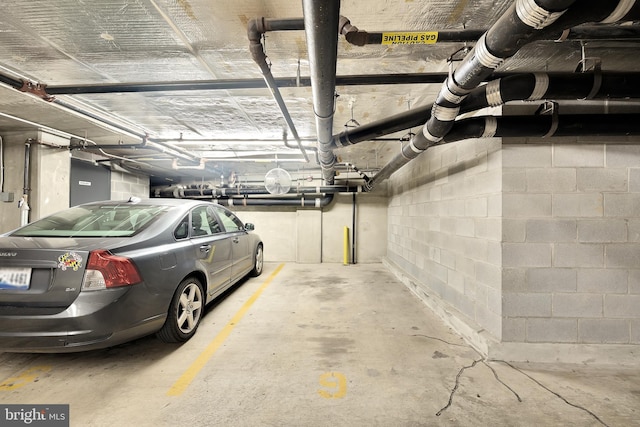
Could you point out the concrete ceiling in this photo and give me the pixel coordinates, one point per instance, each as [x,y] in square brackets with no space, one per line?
[235,127]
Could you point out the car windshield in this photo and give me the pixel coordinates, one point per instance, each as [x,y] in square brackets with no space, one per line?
[94,221]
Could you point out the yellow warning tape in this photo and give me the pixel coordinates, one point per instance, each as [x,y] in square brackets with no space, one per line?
[395,37]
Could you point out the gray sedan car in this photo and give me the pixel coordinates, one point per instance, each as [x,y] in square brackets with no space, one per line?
[103,273]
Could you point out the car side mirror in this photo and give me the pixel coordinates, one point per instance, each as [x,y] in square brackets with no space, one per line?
[249,227]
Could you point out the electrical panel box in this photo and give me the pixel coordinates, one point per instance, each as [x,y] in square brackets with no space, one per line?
[6,197]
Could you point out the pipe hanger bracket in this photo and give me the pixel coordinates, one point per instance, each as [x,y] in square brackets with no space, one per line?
[37,89]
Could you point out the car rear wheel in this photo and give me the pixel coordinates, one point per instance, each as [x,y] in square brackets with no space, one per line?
[185,312]
[258,261]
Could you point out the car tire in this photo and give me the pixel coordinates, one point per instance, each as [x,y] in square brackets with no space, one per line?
[185,312]
[258,261]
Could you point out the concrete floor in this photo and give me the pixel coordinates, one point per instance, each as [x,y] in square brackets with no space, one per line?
[318,345]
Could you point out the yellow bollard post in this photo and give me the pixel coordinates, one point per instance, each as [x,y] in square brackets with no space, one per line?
[346,245]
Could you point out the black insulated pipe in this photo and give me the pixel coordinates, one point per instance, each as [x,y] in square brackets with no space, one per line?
[511,87]
[255,30]
[545,126]
[235,84]
[523,22]
[399,122]
[532,87]
[542,126]
[560,86]
[14,83]
[514,29]
[321,21]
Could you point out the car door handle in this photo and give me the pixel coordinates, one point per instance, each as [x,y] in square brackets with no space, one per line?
[205,248]
[236,240]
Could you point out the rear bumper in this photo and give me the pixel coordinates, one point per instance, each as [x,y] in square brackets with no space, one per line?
[95,320]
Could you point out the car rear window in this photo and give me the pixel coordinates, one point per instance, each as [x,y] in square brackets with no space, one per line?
[94,221]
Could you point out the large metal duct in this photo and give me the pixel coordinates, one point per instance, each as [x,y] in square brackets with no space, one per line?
[321,28]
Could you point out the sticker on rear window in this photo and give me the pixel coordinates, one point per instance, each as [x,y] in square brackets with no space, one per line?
[70,260]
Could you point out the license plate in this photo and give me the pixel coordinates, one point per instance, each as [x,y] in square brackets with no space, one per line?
[15,278]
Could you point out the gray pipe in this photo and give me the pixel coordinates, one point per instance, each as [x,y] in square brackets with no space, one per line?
[255,29]
[317,202]
[321,28]
[26,179]
[26,191]
[179,192]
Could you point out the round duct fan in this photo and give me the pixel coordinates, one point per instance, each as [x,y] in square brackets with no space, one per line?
[277,181]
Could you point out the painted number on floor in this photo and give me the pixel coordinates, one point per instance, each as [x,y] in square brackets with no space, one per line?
[335,385]
[27,377]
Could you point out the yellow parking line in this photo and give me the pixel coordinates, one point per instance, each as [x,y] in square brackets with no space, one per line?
[183,382]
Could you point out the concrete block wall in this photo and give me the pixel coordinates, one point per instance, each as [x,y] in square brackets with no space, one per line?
[530,249]
[125,185]
[571,251]
[445,230]
[371,227]
[309,235]
[277,228]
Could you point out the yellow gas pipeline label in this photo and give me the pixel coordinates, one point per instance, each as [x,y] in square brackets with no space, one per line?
[429,37]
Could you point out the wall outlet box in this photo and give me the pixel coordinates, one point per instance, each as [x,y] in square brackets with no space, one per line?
[6,197]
